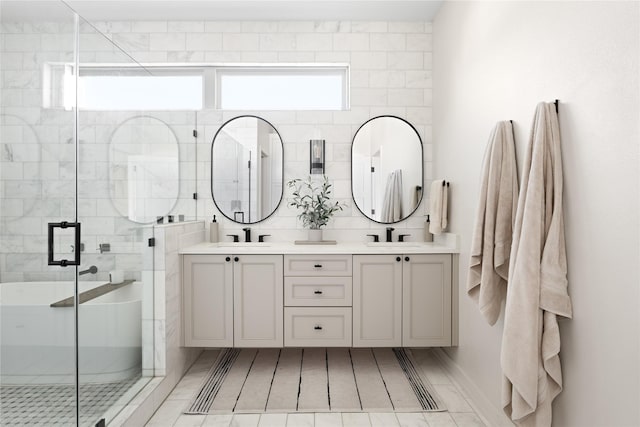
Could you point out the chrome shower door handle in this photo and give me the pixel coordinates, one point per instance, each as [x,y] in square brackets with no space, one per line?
[63,225]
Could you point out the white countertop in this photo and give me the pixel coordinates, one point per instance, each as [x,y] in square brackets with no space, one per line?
[444,244]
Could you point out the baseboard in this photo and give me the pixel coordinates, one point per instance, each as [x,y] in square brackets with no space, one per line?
[491,416]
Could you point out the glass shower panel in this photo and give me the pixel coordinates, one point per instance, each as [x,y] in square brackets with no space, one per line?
[37,187]
[136,169]
[127,175]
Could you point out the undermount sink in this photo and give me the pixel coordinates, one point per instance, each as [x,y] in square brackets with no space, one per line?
[243,244]
[393,244]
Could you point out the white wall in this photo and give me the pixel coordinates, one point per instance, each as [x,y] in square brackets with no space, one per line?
[495,61]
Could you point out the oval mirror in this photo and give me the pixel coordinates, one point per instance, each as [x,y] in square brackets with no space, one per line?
[144,163]
[387,169]
[247,169]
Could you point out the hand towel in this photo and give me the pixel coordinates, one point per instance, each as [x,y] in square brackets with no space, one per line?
[491,238]
[438,206]
[537,291]
[392,200]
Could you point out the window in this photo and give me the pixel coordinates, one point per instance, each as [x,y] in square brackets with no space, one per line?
[117,89]
[282,88]
[185,87]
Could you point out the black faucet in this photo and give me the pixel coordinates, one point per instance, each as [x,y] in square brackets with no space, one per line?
[247,234]
[390,234]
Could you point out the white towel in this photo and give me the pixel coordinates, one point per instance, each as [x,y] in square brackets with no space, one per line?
[537,281]
[438,206]
[496,213]
[392,201]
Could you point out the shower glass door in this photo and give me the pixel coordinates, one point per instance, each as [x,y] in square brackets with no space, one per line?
[123,155]
[76,341]
[37,188]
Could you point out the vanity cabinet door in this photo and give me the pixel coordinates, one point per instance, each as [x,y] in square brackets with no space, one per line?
[426,282]
[258,300]
[377,300]
[207,301]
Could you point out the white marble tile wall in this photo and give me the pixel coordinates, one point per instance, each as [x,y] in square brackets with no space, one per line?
[390,74]
[170,358]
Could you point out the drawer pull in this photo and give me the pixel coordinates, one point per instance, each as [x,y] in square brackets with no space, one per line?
[317,292]
[318,266]
[317,328]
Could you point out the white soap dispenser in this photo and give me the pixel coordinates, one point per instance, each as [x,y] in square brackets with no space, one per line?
[213,231]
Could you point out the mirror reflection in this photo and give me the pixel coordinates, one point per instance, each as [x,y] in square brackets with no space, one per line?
[247,169]
[386,169]
[144,176]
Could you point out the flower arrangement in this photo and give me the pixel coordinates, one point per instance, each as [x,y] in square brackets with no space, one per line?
[312,196]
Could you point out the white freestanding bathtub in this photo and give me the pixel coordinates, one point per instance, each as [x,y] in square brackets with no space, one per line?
[37,341]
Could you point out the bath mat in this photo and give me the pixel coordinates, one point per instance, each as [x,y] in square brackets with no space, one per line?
[314,380]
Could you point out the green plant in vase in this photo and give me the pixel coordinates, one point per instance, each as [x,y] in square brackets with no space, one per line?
[313,197]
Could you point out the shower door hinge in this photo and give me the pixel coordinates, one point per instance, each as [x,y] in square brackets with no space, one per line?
[195,133]
[373,211]
[249,164]
[373,169]
[195,196]
[152,242]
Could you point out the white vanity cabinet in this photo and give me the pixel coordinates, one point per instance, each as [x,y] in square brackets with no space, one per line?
[297,296]
[317,294]
[426,300]
[232,300]
[402,300]
[207,300]
[257,301]
[377,300]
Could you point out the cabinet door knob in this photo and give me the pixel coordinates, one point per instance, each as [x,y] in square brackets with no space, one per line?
[318,266]
[398,259]
[407,258]
[228,259]
[236,259]
[317,328]
[317,292]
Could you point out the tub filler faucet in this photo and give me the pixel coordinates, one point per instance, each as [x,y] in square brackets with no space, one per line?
[93,270]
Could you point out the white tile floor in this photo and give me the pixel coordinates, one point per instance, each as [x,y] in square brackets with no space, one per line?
[460,412]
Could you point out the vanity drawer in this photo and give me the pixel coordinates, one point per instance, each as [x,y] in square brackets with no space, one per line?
[317,291]
[317,265]
[317,327]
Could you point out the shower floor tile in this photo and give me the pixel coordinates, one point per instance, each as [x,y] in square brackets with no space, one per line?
[51,404]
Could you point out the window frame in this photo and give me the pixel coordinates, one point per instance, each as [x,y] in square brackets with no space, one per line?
[211,77]
[322,69]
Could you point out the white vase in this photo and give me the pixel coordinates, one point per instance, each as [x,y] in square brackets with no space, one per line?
[315,234]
